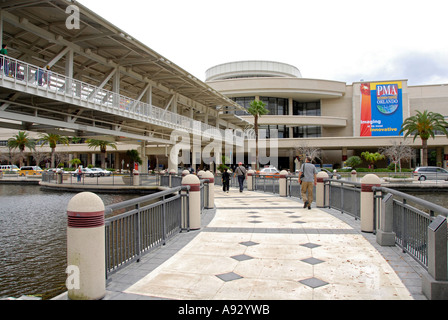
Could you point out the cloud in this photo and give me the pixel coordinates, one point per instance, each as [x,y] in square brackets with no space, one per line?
[418,68]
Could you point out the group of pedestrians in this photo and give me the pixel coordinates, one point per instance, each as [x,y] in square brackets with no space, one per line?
[11,67]
[307,180]
[240,172]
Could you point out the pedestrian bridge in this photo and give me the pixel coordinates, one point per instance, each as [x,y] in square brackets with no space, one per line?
[64,102]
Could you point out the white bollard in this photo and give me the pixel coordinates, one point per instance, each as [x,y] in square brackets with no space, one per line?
[86,252]
[250,180]
[211,189]
[320,200]
[354,176]
[282,183]
[194,200]
[136,180]
[367,183]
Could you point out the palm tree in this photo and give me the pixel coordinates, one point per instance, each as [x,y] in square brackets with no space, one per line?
[53,140]
[257,109]
[134,157]
[372,157]
[424,125]
[102,144]
[21,141]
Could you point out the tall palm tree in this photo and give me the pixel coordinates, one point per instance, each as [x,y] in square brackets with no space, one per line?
[53,140]
[102,144]
[257,109]
[21,141]
[424,125]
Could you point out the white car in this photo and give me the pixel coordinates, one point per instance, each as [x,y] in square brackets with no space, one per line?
[86,172]
[101,172]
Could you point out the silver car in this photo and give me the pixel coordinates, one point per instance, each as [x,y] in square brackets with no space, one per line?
[430,173]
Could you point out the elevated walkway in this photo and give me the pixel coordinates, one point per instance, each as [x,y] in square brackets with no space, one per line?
[257,246]
[110,109]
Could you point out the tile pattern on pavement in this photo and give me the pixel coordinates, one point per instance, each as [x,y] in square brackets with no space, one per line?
[258,246]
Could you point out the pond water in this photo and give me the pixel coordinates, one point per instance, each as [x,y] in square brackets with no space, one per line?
[33,226]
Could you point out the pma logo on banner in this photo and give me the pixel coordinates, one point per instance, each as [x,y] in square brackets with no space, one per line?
[387,98]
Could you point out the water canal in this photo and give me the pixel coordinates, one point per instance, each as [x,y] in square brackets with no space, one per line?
[33,238]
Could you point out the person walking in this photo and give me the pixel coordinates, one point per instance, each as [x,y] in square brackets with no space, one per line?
[308,179]
[225,181]
[4,60]
[241,174]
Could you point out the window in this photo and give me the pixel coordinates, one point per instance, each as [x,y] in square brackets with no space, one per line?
[307,132]
[276,106]
[306,108]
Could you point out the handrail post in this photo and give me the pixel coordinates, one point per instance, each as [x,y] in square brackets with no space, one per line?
[435,282]
[385,235]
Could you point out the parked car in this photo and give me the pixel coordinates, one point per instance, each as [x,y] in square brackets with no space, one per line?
[30,171]
[430,173]
[330,173]
[101,172]
[86,172]
[270,172]
[9,168]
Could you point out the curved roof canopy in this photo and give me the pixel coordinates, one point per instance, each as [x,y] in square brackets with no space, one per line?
[36,32]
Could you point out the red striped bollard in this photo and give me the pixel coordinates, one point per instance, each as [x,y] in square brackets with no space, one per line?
[86,248]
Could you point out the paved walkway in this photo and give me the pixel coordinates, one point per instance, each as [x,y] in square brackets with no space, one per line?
[258,246]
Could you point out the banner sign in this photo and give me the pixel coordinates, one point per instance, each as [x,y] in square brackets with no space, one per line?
[381,109]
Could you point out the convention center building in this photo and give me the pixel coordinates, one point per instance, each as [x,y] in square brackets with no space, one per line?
[70,72]
[340,119]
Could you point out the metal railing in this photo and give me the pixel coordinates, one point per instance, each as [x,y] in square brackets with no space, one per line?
[135,227]
[410,222]
[411,215]
[114,179]
[344,196]
[40,81]
[173,180]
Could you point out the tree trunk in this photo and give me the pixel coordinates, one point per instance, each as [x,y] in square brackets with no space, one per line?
[256,143]
[424,152]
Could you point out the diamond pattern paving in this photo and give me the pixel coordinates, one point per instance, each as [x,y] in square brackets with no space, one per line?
[249,243]
[314,283]
[231,276]
[313,261]
[242,257]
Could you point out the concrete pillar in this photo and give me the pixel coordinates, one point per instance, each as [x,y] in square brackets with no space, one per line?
[185,173]
[320,189]
[86,248]
[200,174]
[367,215]
[354,176]
[172,173]
[283,183]
[385,235]
[435,281]
[251,180]
[136,178]
[211,189]
[194,201]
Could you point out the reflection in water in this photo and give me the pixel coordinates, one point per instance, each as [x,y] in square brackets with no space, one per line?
[33,240]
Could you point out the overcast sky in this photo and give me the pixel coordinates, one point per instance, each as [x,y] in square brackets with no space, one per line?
[343,40]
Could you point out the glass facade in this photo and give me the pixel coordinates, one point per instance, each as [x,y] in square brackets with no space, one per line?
[307,132]
[276,106]
[306,108]
[280,107]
